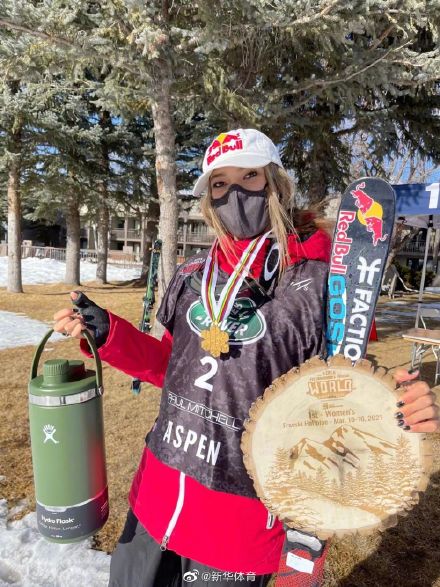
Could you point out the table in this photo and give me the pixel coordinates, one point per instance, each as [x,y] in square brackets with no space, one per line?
[423,339]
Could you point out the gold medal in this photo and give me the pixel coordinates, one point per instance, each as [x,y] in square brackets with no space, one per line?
[215,340]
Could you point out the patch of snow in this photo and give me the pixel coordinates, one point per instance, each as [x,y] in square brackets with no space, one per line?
[35,271]
[19,330]
[21,505]
[29,560]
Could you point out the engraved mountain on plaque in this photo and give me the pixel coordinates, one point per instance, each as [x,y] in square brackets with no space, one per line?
[309,456]
[359,440]
[330,471]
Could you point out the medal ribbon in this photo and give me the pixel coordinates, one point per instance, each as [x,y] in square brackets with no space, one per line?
[220,310]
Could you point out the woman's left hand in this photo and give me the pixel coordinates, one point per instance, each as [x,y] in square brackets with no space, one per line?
[417,410]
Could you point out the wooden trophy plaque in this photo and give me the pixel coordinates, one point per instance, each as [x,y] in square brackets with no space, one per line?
[324,451]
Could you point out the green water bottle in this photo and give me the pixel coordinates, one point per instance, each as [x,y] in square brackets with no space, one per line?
[68,453]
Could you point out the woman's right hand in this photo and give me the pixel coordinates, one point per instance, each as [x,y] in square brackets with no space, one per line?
[86,314]
[69,321]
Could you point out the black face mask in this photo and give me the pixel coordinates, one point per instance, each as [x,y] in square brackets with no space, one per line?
[243,212]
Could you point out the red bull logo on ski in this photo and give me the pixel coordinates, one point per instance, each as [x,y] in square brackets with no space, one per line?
[224,143]
[341,242]
[370,213]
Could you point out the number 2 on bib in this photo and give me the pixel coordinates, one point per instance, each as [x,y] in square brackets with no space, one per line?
[202,381]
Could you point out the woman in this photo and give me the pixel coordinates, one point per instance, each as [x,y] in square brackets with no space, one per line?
[235,319]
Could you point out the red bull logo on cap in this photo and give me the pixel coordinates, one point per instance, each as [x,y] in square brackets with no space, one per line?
[370,213]
[224,143]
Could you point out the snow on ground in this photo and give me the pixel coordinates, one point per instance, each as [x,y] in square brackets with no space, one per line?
[51,271]
[29,560]
[19,330]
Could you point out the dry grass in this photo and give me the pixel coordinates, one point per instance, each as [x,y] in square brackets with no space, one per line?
[407,555]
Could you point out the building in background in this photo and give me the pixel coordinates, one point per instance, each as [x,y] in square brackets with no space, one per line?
[128,233]
[193,234]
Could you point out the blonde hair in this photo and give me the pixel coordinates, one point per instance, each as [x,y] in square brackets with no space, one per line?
[284,218]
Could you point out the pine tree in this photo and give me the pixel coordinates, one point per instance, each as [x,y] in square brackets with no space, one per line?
[132,183]
[322,482]
[310,75]
[14,154]
[313,75]
[279,479]
[66,175]
[404,468]
[347,487]
[35,92]
[362,488]
[336,492]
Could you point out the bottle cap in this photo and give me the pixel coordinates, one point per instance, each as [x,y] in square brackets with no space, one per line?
[56,371]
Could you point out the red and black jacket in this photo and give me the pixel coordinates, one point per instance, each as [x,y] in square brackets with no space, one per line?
[191,491]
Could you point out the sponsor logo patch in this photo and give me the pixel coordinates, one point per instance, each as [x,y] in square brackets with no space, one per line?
[245,324]
[224,143]
[201,411]
[370,213]
[342,242]
[195,265]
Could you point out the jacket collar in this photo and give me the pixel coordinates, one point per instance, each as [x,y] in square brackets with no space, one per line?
[315,246]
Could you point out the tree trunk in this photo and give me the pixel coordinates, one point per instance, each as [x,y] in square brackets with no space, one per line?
[166,177]
[103,221]
[14,219]
[401,235]
[146,251]
[435,250]
[396,238]
[318,163]
[317,189]
[73,227]
[103,210]
[95,236]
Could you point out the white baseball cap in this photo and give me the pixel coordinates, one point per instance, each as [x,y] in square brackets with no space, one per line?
[237,148]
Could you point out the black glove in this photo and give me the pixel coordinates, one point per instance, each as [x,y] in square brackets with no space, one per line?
[95,318]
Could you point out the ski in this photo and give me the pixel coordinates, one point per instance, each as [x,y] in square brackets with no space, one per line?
[148,301]
[360,247]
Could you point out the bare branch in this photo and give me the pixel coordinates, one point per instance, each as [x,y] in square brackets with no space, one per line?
[298,22]
[54,39]
[165,11]
[383,36]
[412,168]
[57,40]
[323,84]
[393,170]
[286,24]
[402,168]
[326,10]
[424,173]
[347,131]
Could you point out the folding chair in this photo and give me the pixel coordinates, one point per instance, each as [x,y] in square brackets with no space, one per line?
[425,339]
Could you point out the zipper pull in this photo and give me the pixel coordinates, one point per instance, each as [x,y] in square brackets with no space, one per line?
[164,543]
